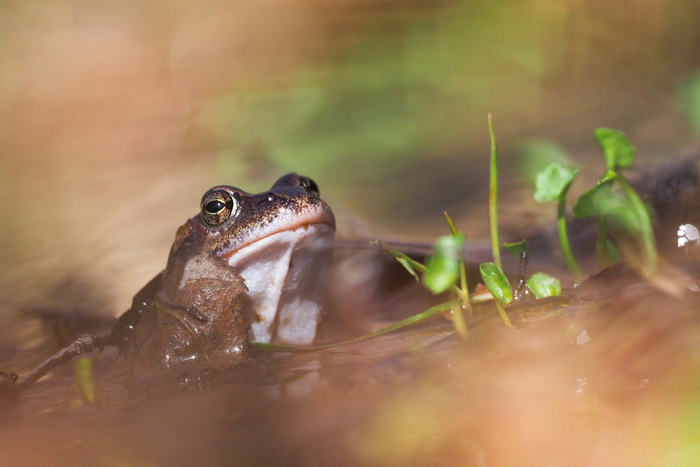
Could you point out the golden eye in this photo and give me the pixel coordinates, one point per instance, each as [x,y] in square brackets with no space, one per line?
[217,206]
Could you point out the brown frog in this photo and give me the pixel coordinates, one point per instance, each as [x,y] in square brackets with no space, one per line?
[248,267]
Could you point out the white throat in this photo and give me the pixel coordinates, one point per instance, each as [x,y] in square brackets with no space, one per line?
[285,274]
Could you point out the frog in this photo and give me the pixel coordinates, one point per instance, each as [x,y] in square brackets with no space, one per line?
[246,268]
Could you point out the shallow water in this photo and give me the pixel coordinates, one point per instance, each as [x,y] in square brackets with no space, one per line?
[610,380]
[607,375]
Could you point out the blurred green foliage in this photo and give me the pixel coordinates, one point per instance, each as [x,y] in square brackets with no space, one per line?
[689,95]
[443,263]
[410,84]
[537,154]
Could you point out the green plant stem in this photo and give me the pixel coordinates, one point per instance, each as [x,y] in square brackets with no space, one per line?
[397,254]
[420,317]
[651,258]
[564,239]
[462,266]
[493,197]
[502,312]
[464,297]
[459,321]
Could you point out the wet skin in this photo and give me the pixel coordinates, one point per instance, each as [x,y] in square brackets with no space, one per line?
[245,260]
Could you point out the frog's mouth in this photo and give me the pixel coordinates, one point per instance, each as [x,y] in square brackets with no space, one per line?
[285,273]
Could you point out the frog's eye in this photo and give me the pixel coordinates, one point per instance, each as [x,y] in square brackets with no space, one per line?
[217,207]
[309,184]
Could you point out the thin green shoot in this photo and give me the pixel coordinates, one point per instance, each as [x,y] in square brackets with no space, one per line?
[419,318]
[493,196]
[566,252]
[458,320]
[503,314]
[462,265]
[412,265]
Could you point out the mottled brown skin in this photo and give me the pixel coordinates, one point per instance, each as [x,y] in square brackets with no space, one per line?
[177,328]
[189,320]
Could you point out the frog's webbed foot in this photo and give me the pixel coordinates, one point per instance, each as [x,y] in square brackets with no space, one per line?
[193,312]
[11,385]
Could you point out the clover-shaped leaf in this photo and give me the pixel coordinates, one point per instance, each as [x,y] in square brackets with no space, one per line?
[516,248]
[543,285]
[443,263]
[553,182]
[496,282]
[618,151]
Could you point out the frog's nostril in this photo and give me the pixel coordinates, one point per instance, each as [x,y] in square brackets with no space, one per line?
[309,184]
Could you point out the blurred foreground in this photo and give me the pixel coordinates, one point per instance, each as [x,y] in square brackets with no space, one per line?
[115,117]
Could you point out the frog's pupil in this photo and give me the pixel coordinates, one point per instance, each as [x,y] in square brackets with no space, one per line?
[214,207]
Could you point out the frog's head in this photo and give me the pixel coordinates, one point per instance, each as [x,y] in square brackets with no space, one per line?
[279,241]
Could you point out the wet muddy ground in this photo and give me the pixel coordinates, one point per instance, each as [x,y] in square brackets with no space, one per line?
[607,375]
[609,379]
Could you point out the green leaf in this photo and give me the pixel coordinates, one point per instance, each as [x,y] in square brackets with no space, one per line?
[453,229]
[537,154]
[408,267]
[493,196]
[415,319]
[616,206]
[616,148]
[518,247]
[553,182]
[443,263]
[591,202]
[496,282]
[411,265]
[543,285]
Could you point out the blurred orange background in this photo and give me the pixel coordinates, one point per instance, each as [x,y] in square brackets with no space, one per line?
[115,117]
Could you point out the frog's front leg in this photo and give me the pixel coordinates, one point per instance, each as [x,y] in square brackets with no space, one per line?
[11,385]
[163,300]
